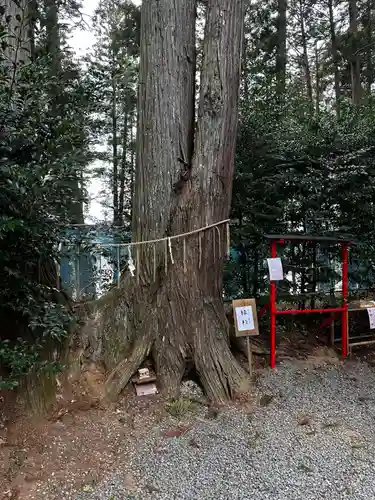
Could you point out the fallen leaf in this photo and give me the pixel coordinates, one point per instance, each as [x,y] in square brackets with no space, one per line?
[194,444]
[330,425]
[266,399]
[151,488]
[212,413]
[304,420]
[176,432]
[305,468]
[363,399]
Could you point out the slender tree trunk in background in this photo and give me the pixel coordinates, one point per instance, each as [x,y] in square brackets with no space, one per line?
[33,17]
[306,62]
[255,271]
[178,315]
[317,80]
[355,67]
[245,77]
[53,36]
[133,124]
[281,54]
[17,48]
[53,48]
[335,56]
[124,165]
[115,177]
[368,26]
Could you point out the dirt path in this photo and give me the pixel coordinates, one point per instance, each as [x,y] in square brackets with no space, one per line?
[308,427]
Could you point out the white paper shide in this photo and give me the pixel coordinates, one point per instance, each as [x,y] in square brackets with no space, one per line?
[245,319]
[371,316]
[275,269]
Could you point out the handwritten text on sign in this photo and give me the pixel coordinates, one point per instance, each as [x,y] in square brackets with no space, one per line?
[245,319]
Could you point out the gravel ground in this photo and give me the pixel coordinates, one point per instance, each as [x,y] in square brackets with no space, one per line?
[311,436]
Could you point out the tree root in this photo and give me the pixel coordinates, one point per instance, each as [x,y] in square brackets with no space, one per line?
[120,376]
[220,373]
[173,334]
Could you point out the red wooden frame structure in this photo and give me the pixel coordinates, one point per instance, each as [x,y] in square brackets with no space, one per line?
[274,312]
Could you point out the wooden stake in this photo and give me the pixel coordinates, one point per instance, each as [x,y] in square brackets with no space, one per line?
[249,358]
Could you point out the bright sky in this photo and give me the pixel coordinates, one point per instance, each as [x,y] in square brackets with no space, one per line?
[81,41]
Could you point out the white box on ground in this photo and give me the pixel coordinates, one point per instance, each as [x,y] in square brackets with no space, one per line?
[146,389]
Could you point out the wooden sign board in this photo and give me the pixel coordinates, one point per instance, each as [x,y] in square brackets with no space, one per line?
[245,317]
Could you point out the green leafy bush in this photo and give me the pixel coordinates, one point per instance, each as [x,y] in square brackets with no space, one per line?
[43,149]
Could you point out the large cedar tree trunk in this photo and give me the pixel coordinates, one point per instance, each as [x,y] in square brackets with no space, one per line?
[183,181]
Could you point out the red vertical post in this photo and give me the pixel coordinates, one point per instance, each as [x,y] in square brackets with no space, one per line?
[345,286]
[273,312]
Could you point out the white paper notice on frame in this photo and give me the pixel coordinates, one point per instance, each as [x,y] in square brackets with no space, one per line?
[245,318]
[275,269]
[371,317]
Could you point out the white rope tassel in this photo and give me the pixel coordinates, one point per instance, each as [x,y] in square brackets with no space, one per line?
[170,250]
[138,263]
[219,238]
[228,242]
[200,250]
[131,265]
[214,244]
[184,251]
[166,256]
[154,261]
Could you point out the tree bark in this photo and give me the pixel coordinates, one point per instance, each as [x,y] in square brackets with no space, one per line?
[355,67]
[335,56]
[181,184]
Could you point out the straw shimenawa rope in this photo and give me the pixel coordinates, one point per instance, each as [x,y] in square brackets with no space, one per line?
[168,247]
[182,235]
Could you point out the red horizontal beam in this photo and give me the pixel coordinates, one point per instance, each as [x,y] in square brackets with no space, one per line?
[308,311]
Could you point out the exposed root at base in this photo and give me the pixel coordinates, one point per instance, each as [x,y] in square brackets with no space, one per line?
[122,373]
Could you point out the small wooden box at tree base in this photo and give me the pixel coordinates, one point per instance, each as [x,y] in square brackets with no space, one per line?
[245,317]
